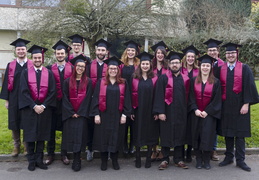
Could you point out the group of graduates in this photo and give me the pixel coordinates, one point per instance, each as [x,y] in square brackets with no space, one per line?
[170,99]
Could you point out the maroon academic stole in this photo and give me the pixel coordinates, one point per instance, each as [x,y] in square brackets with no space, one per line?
[202,99]
[93,70]
[237,87]
[67,74]
[135,83]
[220,62]
[44,83]
[195,72]
[76,97]
[11,72]
[163,71]
[169,87]
[102,95]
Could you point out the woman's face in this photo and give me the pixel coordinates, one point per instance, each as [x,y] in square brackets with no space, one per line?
[145,66]
[159,55]
[131,53]
[190,58]
[205,68]
[112,70]
[80,68]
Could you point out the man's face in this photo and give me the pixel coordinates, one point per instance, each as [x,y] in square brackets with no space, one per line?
[37,60]
[77,47]
[231,56]
[101,53]
[213,52]
[175,65]
[60,55]
[21,52]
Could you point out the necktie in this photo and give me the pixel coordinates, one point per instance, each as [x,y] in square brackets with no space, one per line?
[231,67]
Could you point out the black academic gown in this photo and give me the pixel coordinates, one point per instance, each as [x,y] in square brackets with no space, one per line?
[36,126]
[99,70]
[204,129]
[109,135]
[234,124]
[75,129]
[173,130]
[14,114]
[145,128]
[127,72]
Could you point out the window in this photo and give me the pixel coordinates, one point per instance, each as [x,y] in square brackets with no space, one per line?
[7,2]
[40,3]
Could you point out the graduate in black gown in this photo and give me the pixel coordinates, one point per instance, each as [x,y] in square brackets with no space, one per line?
[172,90]
[145,124]
[10,91]
[77,92]
[36,100]
[110,105]
[205,109]
[130,63]
[238,93]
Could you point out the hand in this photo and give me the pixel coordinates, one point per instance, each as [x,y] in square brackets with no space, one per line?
[156,117]
[75,116]
[204,114]
[198,113]
[6,104]
[132,117]
[244,109]
[97,119]
[162,117]
[123,120]
[38,109]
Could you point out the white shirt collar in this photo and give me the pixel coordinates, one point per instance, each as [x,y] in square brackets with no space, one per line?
[37,68]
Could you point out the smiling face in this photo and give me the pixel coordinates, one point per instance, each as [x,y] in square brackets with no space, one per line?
[231,56]
[80,68]
[205,68]
[175,65]
[131,53]
[60,55]
[101,53]
[77,47]
[213,52]
[145,66]
[160,55]
[112,70]
[190,58]
[37,60]
[21,52]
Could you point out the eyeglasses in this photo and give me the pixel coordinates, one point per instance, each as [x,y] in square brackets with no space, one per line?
[113,69]
[82,67]
[176,63]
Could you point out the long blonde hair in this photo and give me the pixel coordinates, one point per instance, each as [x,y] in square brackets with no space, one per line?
[195,64]
[125,59]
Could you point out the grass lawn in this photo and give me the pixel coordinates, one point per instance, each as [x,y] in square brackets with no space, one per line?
[6,144]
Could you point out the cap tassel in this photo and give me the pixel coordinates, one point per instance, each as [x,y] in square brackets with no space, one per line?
[42,52]
[68,54]
[83,48]
[237,55]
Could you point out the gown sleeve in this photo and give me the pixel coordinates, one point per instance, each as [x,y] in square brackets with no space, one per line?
[159,100]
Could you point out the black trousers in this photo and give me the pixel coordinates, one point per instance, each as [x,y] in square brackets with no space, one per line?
[90,131]
[35,151]
[239,143]
[178,155]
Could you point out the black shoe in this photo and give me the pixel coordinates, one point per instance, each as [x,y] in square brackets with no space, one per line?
[31,166]
[76,165]
[244,166]
[138,163]
[198,164]
[225,162]
[41,165]
[148,163]
[206,166]
[104,166]
[115,165]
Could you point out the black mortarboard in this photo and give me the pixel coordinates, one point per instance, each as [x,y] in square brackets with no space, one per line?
[231,46]
[20,42]
[192,49]
[160,45]
[76,38]
[174,55]
[132,44]
[79,58]
[113,61]
[37,49]
[61,45]
[206,59]
[144,56]
[103,43]
[212,43]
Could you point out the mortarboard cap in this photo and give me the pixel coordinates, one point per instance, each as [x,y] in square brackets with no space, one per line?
[132,44]
[103,43]
[144,56]
[113,61]
[174,55]
[192,49]
[61,45]
[20,42]
[37,49]
[160,45]
[212,43]
[76,38]
[207,59]
[231,46]
[80,58]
